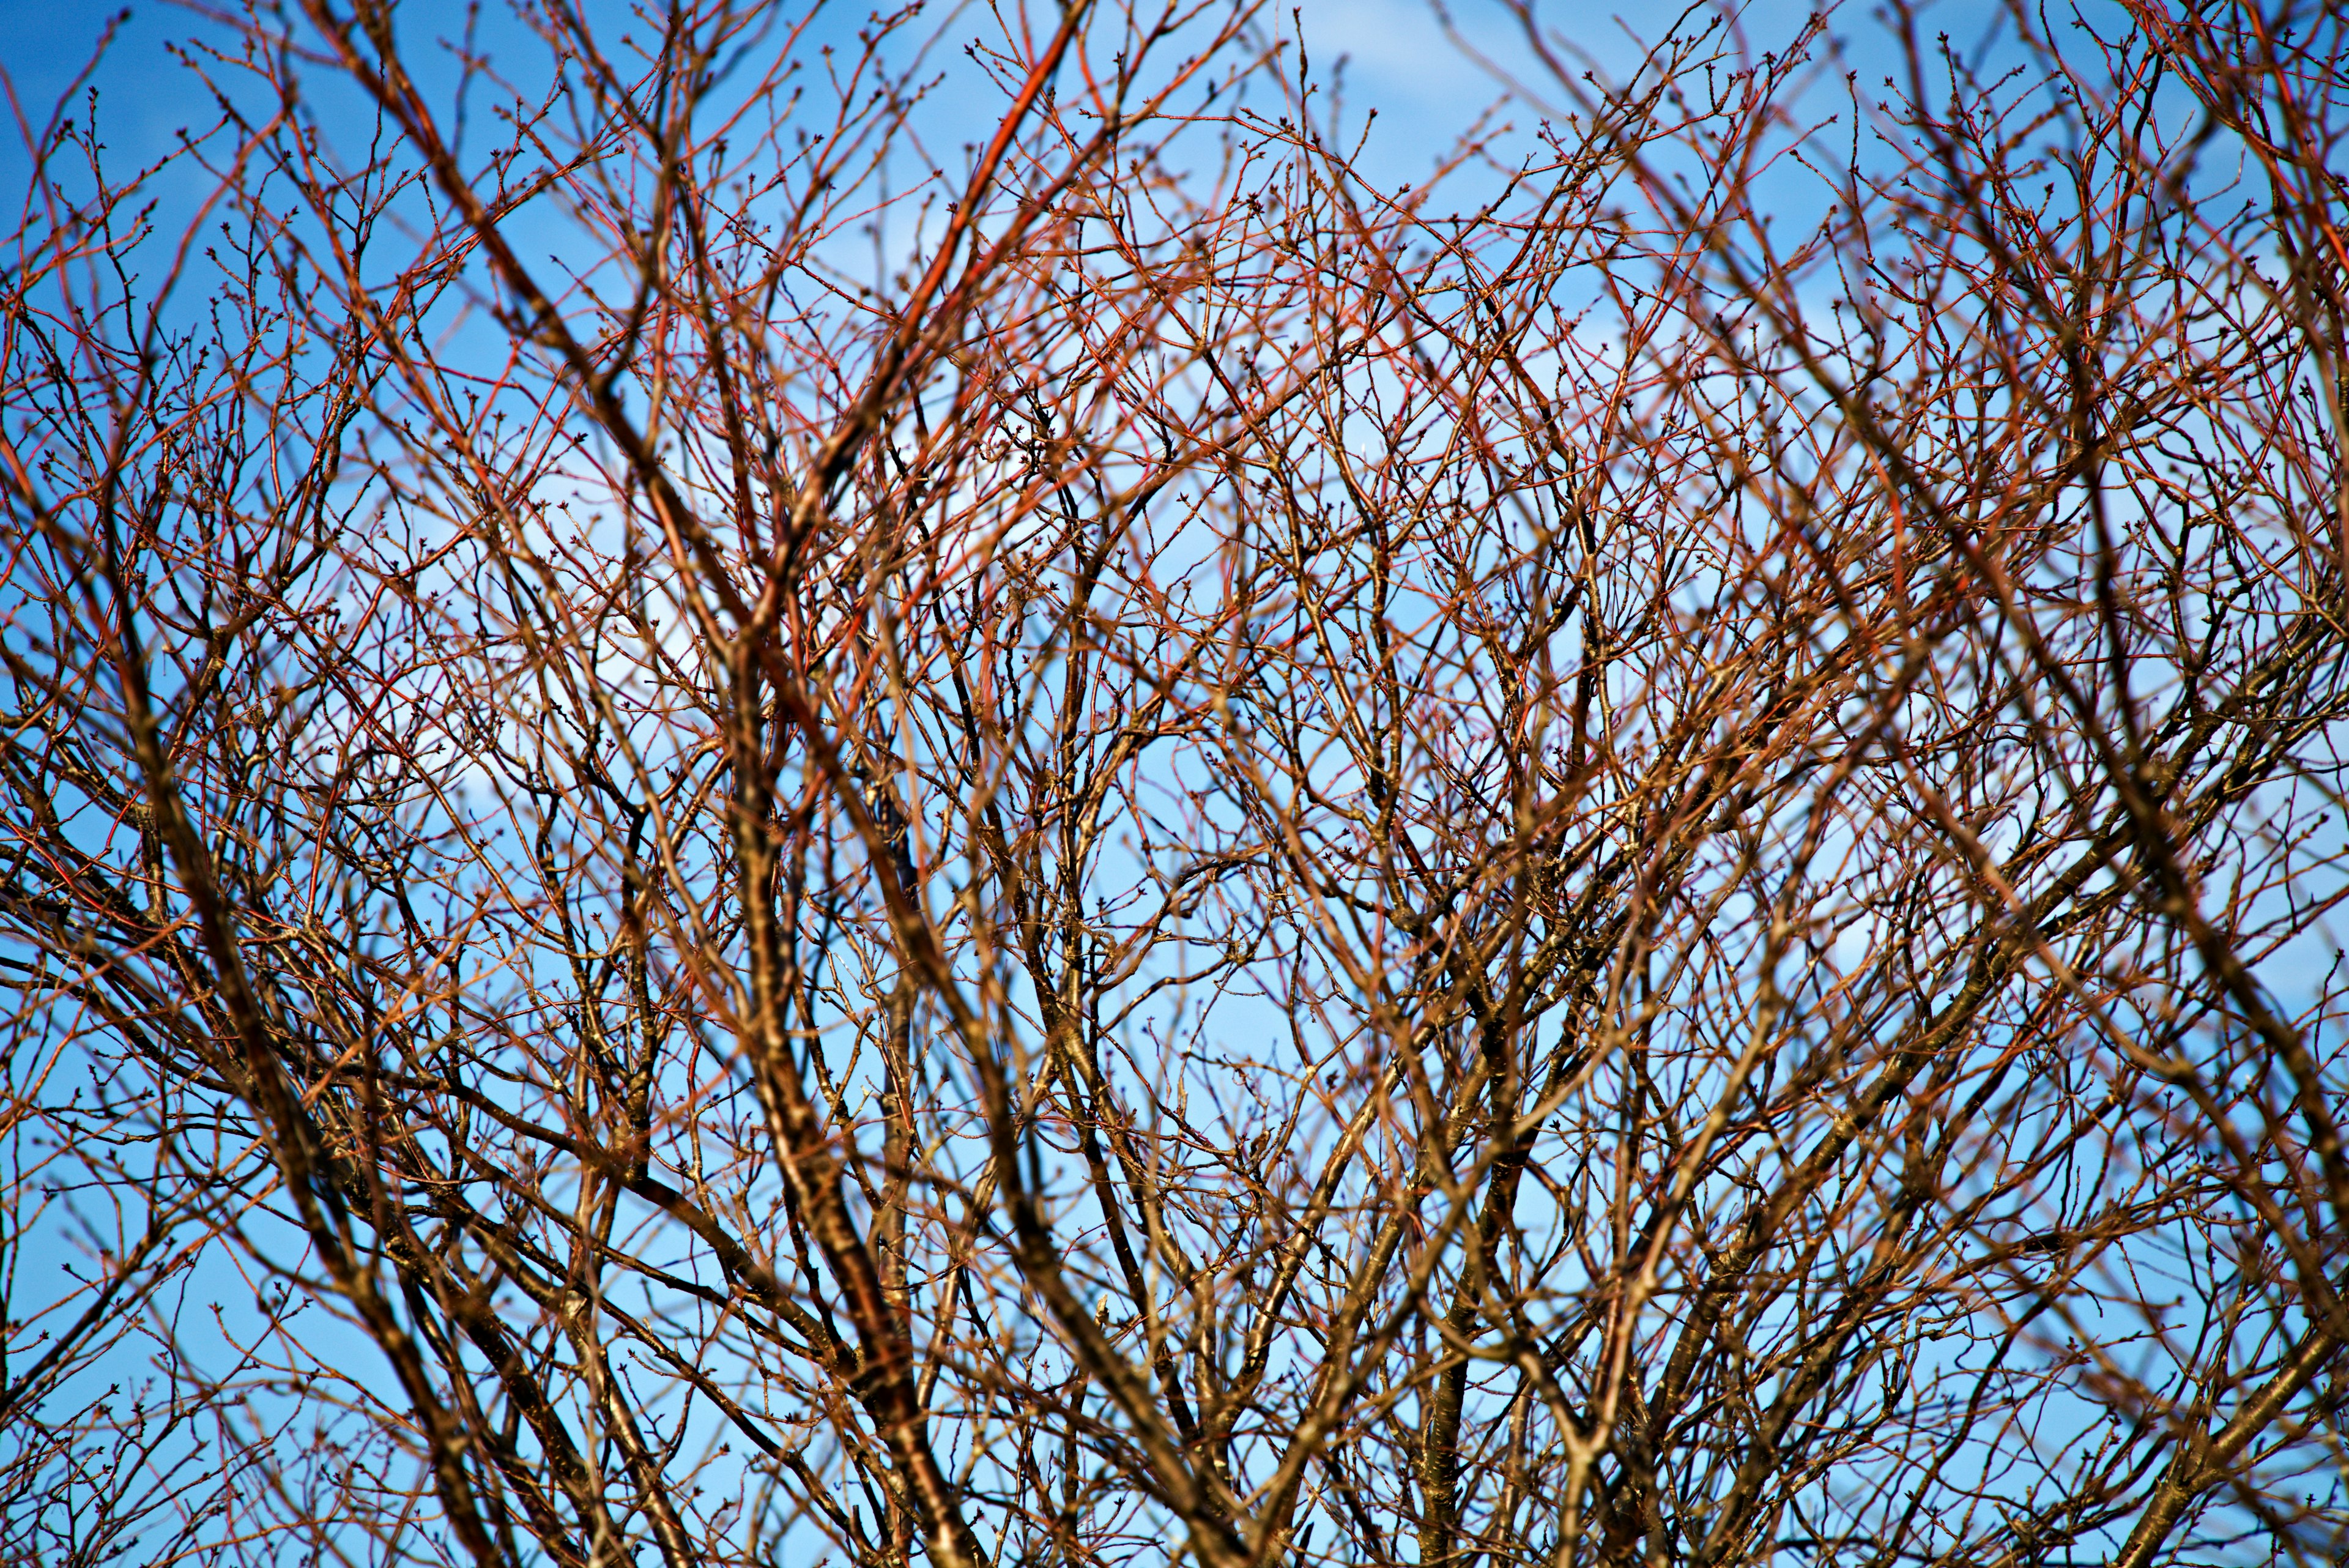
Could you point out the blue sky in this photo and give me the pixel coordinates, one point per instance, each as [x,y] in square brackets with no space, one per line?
[1399,58]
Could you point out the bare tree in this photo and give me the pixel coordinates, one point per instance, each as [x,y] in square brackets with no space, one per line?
[732,838]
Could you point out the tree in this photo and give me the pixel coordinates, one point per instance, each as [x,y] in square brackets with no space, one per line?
[721,849]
